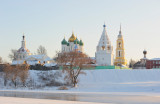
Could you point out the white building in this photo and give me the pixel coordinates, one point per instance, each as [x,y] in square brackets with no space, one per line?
[23,55]
[22,52]
[72,43]
[104,53]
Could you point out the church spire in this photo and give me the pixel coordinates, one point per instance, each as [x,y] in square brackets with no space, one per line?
[23,41]
[120,32]
[23,37]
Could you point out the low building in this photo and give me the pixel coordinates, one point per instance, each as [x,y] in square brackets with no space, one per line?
[153,63]
[142,63]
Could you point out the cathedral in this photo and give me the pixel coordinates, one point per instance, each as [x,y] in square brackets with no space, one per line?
[120,53]
[72,44]
[104,53]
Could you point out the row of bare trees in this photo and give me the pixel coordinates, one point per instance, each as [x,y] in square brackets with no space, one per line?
[15,74]
[71,62]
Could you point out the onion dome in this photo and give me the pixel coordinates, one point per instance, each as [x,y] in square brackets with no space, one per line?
[144,52]
[67,44]
[76,41]
[64,42]
[81,43]
[72,38]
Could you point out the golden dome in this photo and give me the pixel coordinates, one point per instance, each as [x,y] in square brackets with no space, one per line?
[72,38]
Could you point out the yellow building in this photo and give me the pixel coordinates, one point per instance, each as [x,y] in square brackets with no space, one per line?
[120,54]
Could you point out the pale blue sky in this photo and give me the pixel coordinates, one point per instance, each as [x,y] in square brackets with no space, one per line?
[46,22]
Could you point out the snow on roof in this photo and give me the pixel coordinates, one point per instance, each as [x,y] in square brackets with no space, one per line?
[93,58]
[39,57]
[50,64]
[15,62]
[155,59]
[32,62]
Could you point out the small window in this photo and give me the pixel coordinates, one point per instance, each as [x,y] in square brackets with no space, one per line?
[119,44]
[119,54]
[103,47]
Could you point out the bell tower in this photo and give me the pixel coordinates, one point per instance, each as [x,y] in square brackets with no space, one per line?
[120,51]
[104,53]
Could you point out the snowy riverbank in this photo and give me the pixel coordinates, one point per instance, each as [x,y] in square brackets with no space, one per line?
[105,81]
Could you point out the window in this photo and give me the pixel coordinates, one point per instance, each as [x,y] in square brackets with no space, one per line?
[103,47]
[108,47]
[119,53]
[119,44]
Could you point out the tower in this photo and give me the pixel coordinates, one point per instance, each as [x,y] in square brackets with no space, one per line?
[23,51]
[104,53]
[120,54]
[144,59]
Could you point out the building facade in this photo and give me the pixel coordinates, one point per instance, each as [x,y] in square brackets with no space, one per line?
[142,63]
[104,52]
[72,44]
[22,52]
[153,63]
[120,51]
[23,56]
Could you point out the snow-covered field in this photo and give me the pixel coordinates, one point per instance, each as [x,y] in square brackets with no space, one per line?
[136,85]
[105,81]
[120,81]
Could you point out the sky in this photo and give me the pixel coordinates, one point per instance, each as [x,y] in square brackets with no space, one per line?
[46,22]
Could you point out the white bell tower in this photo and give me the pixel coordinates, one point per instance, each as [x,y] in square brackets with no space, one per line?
[104,53]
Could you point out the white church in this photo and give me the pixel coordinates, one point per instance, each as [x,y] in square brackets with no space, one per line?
[104,52]
[23,55]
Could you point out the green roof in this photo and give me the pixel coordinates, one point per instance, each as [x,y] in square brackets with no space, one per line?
[67,44]
[64,42]
[76,41]
[81,43]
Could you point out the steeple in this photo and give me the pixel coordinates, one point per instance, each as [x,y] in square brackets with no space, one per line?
[104,37]
[120,30]
[23,42]
[120,33]
[104,53]
[120,52]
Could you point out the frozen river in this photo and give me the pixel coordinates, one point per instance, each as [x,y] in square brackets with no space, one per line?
[87,97]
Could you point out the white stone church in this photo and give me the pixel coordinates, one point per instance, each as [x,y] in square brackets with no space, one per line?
[104,53]
[23,55]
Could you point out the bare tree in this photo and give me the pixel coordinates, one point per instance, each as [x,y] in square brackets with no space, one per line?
[1,61]
[6,73]
[15,75]
[12,54]
[73,63]
[41,50]
[24,73]
[131,63]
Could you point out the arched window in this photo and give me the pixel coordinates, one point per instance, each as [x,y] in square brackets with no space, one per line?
[103,47]
[119,53]
[119,44]
[109,47]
